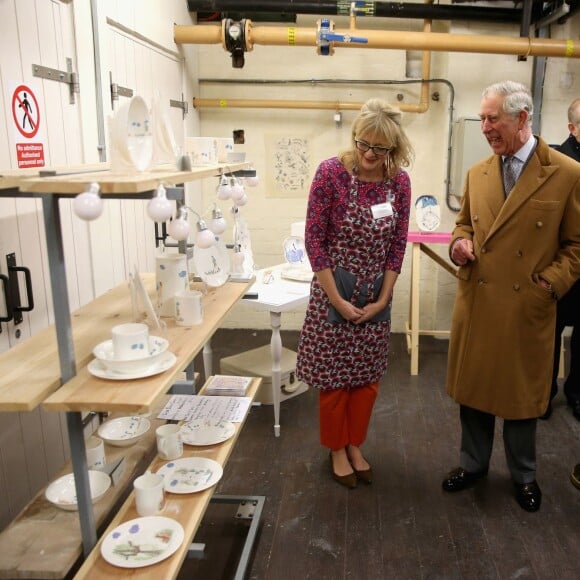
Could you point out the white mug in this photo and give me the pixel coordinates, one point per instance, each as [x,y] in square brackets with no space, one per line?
[130,340]
[95,448]
[169,443]
[149,494]
[188,308]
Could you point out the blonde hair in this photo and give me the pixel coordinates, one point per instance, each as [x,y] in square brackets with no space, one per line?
[383,121]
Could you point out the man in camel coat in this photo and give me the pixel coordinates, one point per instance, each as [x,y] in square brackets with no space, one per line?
[518,248]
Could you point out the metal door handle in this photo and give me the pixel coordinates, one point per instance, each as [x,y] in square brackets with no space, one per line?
[7,299]
[28,281]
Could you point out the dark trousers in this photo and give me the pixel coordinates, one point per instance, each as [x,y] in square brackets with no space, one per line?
[519,439]
[568,314]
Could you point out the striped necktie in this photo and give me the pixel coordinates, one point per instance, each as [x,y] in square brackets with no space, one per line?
[509,174]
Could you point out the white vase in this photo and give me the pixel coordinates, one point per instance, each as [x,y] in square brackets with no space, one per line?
[170,277]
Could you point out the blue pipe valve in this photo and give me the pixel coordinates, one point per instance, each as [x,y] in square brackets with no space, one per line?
[326,35]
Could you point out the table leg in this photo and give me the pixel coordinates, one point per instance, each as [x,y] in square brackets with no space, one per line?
[276,350]
[414,307]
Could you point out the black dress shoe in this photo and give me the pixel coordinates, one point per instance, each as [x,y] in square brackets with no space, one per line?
[459,479]
[575,476]
[575,404]
[547,414]
[529,496]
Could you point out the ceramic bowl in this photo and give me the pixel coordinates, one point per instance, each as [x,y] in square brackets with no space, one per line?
[62,492]
[124,431]
[133,133]
[105,353]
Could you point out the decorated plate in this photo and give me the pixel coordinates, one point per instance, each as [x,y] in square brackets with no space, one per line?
[142,542]
[207,432]
[212,264]
[190,474]
[427,213]
[98,369]
[294,251]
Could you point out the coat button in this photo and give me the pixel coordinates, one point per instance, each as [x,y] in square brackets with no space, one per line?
[516,287]
[484,250]
[481,281]
[519,253]
[539,224]
[475,218]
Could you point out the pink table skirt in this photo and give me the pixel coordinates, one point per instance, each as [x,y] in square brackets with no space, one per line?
[429,237]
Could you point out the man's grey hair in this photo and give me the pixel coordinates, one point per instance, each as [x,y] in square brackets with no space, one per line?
[517,98]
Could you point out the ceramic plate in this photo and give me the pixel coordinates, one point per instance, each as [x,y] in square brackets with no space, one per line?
[190,474]
[294,250]
[427,213]
[207,432]
[62,492]
[98,369]
[297,273]
[142,542]
[124,431]
[212,264]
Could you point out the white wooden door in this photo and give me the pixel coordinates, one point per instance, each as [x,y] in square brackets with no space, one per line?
[33,446]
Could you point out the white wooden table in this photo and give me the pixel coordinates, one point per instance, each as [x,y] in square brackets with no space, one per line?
[277,295]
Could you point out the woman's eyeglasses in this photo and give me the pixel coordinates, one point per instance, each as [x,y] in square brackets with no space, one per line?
[378,150]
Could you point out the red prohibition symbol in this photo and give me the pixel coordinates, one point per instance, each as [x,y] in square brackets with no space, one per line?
[25,111]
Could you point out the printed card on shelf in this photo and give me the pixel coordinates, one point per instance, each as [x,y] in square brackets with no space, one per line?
[228,385]
[201,407]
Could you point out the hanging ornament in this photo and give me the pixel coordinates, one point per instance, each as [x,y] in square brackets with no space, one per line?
[88,205]
[218,224]
[179,228]
[159,208]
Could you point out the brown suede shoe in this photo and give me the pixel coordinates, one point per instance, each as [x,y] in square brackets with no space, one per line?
[366,476]
[348,480]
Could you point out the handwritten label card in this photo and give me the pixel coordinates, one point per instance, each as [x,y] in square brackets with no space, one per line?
[195,407]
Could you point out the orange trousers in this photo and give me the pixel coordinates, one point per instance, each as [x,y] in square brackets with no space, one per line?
[345,415]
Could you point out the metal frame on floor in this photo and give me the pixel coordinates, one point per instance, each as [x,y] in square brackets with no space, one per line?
[250,508]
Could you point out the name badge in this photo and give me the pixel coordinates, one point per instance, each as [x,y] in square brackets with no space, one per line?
[381,210]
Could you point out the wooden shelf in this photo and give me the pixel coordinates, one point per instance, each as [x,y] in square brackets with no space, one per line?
[30,371]
[87,393]
[119,183]
[187,509]
[44,541]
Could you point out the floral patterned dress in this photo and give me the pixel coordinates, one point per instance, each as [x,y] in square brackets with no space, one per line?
[341,231]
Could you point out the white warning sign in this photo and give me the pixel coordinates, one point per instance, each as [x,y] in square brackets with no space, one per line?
[27,119]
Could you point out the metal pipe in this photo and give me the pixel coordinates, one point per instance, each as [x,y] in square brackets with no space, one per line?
[406,40]
[379,9]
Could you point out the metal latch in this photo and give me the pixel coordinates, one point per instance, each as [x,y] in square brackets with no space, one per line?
[68,77]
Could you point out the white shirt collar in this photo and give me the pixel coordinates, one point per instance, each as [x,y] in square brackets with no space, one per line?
[525,150]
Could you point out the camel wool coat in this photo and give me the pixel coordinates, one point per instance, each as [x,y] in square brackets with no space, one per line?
[502,331]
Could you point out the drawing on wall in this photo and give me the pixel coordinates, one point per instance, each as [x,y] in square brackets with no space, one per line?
[288,166]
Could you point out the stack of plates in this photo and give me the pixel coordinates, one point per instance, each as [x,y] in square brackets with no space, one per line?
[156,360]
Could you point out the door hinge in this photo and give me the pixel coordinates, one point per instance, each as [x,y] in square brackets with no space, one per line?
[118,91]
[68,77]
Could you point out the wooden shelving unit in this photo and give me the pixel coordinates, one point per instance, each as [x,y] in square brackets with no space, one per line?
[30,373]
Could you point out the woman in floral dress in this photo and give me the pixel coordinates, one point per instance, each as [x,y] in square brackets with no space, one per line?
[356,232]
